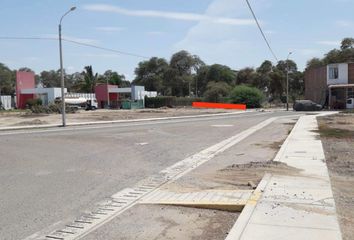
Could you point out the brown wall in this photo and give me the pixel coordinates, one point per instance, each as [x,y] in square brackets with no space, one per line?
[316,84]
[351,73]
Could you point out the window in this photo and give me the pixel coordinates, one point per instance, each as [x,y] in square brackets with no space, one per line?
[350,92]
[333,72]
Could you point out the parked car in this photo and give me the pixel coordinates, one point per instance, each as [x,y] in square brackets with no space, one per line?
[306,105]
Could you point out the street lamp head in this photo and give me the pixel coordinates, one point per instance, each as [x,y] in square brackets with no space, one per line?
[72,8]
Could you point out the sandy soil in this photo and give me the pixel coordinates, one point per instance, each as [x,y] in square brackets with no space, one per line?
[337,135]
[26,118]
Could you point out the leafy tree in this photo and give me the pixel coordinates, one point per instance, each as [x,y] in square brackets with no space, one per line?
[215,91]
[111,77]
[50,78]
[213,73]
[221,73]
[347,43]
[7,80]
[265,68]
[250,96]
[179,75]
[245,76]
[90,80]
[201,80]
[151,74]
[276,84]
[314,62]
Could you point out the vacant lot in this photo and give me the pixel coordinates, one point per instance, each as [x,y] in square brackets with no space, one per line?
[337,135]
[26,118]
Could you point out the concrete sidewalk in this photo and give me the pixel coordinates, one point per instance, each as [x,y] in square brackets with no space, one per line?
[295,206]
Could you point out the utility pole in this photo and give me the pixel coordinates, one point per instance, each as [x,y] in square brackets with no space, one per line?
[63,113]
[287,81]
[108,102]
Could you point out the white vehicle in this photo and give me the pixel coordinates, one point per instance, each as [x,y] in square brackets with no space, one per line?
[88,104]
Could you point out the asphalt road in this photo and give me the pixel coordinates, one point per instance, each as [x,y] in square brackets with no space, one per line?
[51,176]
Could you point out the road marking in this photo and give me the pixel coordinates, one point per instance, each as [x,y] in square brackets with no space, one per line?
[142,143]
[127,198]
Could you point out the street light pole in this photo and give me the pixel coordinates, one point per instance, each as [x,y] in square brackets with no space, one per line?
[63,113]
[287,81]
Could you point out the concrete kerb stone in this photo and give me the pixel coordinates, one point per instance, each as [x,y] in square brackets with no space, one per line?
[119,121]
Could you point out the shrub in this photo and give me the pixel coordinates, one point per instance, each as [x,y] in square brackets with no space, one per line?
[52,108]
[33,102]
[157,102]
[216,91]
[250,96]
[184,101]
[169,101]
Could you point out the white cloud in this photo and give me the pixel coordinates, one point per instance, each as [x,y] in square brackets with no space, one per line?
[71,38]
[306,51]
[110,29]
[345,23]
[330,43]
[183,16]
[219,43]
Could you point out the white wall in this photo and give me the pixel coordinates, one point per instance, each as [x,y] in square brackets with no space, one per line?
[342,74]
[6,102]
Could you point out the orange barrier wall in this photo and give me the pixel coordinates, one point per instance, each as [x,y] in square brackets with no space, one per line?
[219,105]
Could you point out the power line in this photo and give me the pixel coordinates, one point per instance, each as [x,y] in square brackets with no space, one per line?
[260,29]
[77,43]
[105,49]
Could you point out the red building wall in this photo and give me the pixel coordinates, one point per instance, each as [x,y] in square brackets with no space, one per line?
[101,92]
[316,84]
[24,80]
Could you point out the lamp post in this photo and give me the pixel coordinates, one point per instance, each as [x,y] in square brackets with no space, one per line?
[63,114]
[287,81]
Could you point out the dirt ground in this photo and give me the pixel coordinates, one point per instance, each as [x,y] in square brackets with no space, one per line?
[22,118]
[337,135]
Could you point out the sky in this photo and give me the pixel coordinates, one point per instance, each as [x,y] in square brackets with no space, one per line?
[218,31]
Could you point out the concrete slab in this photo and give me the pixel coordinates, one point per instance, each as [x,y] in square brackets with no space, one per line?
[232,200]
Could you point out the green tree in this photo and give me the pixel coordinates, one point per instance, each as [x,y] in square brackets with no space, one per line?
[50,78]
[151,74]
[111,77]
[245,76]
[314,62]
[180,74]
[215,91]
[250,96]
[90,80]
[265,68]
[347,43]
[7,80]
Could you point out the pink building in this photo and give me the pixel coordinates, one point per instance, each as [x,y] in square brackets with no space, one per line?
[103,91]
[24,80]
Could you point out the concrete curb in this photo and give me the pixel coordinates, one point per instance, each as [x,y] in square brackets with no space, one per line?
[295,205]
[120,121]
[248,210]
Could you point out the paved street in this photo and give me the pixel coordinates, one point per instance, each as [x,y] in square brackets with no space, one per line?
[51,176]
